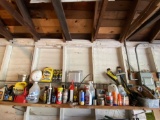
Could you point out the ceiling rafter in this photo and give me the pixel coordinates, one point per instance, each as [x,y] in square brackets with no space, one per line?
[57,4]
[6,5]
[148,23]
[152,8]
[154,32]
[100,17]
[5,32]
[24,12]
[129,20]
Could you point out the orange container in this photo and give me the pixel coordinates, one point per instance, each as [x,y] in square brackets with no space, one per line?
[114,94]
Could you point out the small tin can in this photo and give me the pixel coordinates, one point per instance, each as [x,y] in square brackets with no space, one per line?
[101,101]
[95,102]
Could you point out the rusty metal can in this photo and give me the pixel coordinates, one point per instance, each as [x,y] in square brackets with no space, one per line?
[101,101]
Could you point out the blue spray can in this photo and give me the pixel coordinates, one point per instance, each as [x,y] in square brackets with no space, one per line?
[81,97]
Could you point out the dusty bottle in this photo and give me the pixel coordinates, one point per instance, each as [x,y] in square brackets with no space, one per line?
[88,97]
[65,95]
[75,94]
[92,89]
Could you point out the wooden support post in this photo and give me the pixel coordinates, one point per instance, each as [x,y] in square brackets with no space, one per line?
[19,18]
[5,32]
[154,32]
[100,17]
[151,9]
[129,20]
[61,16]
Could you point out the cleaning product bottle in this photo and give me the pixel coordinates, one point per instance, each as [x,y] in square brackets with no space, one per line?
[92,89]
[88,97]
[121,90]
[34,93]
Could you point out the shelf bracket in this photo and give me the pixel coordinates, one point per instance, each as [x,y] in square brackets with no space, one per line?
[23,110]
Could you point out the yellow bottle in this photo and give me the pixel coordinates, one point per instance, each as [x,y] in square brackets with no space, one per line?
[47,74]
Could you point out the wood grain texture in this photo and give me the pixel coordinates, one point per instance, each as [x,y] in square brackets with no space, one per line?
[152,8]
[76,106]
[62,19]
[20,62]
[110,30]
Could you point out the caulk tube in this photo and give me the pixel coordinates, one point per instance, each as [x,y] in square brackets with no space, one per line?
[49,94]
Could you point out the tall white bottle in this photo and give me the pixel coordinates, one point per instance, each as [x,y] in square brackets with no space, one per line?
[88,96]
[34,92]
[92,89]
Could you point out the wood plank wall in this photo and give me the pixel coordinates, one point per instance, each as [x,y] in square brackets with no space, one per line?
[78,54]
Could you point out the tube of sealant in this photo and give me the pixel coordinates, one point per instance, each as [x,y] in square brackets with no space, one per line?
[49,94]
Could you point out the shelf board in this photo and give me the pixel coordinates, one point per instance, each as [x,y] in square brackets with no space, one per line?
[76,106]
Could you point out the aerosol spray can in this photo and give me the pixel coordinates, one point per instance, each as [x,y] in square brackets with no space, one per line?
[59,95]
[81,97]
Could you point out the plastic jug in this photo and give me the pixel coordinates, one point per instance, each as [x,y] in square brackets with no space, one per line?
[34,93]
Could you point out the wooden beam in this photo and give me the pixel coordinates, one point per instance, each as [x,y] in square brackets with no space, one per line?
[62,19]
[129,20]
[6,5]
[24,12]
[96,15]
[151,9]
[5,32]
[149,22]
[100,17]
[154,32]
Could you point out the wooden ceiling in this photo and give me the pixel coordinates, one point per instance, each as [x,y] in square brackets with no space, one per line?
[132,20]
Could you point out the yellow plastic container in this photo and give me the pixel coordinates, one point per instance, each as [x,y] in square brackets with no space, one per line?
[47,74]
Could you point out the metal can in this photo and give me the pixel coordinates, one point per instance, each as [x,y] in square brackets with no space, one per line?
[109,99]
[81,97]
[101,101]
[59,95]
[95,102]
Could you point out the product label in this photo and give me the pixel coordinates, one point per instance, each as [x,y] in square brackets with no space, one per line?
[86,100]
[109,100]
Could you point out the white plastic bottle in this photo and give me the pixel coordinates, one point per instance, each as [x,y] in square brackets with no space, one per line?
[121,90]
[88,97]
[34,93]
[92,89]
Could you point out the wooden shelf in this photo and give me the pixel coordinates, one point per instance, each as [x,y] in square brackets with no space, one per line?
[76,106]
